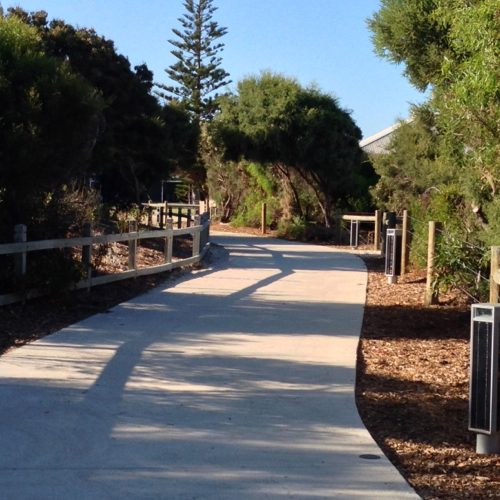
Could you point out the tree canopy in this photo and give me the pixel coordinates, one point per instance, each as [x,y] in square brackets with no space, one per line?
[463,39]
[134,146]
[198,70]
[410,32]
[446,166]
[48,122]
[300,131]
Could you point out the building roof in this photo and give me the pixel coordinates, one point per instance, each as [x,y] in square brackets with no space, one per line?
[378,143]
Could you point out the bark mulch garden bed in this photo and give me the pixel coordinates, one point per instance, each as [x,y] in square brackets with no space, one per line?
[412,388]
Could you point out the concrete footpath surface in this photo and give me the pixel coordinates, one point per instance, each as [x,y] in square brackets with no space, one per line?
[233,383]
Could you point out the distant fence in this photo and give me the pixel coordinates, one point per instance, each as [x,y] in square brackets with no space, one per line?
[381,220]
[160,212]
[19,250]
[428,247]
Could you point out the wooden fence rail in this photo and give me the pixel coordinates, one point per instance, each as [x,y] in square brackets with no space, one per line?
[392,220]
[170,210]
[200,232]
[375,218]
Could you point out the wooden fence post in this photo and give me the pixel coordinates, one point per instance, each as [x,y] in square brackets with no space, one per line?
[405,251]
[384,232]
[20,236]
[338,226]
[87,250]
[203,236]
[376,236]
[207,230]
[132,246]
[196,237]
[161,215]
[264,218]
[188,224]
[431,296]
[179,218]
[494,268]
[169,242]
[150,214]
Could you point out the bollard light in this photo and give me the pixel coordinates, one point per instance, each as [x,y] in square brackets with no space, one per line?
[354,233]
[393,244]
[483,388]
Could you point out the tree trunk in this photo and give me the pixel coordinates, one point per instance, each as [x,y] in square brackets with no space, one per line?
[227,209]
[284,175]
[321,193]
[327,212]
[135,181]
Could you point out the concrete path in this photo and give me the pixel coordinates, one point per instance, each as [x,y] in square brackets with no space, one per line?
[235,383]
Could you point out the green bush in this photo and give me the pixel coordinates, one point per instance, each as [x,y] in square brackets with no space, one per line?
[51,271]
[461,265]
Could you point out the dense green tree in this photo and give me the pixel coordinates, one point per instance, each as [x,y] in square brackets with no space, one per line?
[226,180]
[274,120]
[454,46]
[409,32]
[238,187]
[468,97]
[414,165]
[139,142]
[197,71]
[48,125]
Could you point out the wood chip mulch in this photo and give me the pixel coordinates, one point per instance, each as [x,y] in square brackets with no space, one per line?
[412,388]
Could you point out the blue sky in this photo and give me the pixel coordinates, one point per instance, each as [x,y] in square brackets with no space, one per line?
[322,41]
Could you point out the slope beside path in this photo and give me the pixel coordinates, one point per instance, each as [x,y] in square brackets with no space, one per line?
[234,383]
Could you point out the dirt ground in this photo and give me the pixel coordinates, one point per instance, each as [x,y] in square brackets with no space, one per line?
[412,383]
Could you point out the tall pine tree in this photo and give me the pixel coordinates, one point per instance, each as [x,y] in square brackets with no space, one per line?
[197,70]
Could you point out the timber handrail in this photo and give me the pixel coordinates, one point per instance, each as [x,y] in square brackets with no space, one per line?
[356,218]
[362,218]
[30,246]
[165,209]
[200,232]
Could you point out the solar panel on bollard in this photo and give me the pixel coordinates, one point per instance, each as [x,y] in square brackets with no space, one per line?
[393,244]
[483,388]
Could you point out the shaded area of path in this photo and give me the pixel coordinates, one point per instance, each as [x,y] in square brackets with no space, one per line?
[234,383]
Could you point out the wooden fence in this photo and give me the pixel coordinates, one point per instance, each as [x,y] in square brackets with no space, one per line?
[375,218]
[21,248]
[160,212]
[431,297]
[391,220]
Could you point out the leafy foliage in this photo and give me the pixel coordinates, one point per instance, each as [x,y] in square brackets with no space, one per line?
[136,141]
[72,107]
[262,188]
[47,127]
[447,163]
[408,31]
[197,70]
[414,167]
[461,265]
[299,131]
